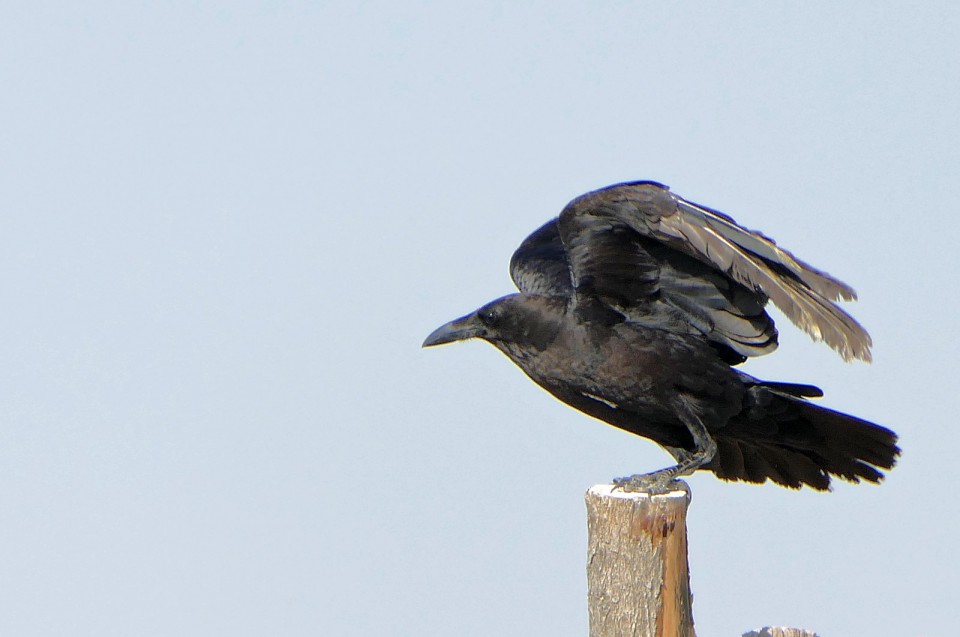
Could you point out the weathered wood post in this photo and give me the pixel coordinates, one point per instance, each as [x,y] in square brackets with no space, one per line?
[638,582]
[775,631]
[638,579]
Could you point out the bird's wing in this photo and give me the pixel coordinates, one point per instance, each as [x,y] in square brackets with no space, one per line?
[601,229]
[540,266]
[715,305]
[646,282]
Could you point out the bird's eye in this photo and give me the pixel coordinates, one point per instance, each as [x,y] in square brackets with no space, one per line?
[489,317]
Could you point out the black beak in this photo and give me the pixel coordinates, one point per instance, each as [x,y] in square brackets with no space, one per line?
[461,329]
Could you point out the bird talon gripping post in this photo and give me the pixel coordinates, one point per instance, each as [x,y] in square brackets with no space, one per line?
[636,306]
[649,484]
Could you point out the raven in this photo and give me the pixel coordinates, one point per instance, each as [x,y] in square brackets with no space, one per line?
[636,305]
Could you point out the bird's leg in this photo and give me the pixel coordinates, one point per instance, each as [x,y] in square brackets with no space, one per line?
[667,480]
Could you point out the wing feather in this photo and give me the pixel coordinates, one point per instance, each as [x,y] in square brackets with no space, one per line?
[804,293]
[540,265]
[766,248]
[810,310]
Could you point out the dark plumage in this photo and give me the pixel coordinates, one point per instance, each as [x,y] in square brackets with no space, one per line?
[634,305]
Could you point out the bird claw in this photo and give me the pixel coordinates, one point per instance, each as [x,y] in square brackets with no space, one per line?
[651,483]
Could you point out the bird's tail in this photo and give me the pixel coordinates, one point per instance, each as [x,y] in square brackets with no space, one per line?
[782,437]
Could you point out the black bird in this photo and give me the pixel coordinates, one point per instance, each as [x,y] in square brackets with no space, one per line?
[634,306]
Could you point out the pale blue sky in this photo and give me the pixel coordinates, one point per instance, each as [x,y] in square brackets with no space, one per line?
[227,227]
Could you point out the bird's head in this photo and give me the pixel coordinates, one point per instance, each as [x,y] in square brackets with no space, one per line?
[515,319]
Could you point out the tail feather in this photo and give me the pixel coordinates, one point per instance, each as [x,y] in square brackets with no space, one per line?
[784,438]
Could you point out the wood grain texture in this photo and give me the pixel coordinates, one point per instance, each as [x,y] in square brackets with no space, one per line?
[637,573]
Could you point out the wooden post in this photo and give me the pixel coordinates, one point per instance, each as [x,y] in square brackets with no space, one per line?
[638,582]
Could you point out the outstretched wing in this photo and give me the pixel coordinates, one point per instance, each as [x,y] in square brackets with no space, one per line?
[540,266]
[647,282]
[624,239]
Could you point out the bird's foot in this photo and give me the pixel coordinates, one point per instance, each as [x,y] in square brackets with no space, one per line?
[656,483]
